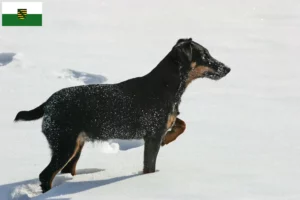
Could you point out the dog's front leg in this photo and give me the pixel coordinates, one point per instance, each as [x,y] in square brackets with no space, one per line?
[152,145]
[178,128]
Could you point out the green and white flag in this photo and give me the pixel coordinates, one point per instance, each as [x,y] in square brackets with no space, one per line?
[22,14]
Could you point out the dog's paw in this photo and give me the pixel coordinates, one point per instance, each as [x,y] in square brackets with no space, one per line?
[148,171]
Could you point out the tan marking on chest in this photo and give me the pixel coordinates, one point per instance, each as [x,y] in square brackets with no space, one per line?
[171,120]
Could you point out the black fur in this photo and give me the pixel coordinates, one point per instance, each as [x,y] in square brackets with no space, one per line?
[31,115]
[134,109]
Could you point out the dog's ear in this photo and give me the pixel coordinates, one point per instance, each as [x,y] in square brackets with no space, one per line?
[183,51]
[180,41]
[184,40]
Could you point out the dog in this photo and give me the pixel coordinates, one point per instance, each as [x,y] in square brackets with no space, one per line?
[140,108]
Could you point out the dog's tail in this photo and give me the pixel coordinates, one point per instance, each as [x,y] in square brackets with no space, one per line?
[31,114]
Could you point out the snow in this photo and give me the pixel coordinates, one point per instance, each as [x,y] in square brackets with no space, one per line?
[81,77]
[242,139]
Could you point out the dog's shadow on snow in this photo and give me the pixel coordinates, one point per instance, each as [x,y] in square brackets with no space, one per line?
[77,187]
[30,189]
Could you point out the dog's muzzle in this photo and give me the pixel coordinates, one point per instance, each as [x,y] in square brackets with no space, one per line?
[219,73]
[223,71]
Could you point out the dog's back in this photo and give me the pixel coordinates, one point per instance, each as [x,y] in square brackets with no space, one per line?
[124,111]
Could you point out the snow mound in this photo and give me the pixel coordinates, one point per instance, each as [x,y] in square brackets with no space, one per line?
[81,77]
[124,145]
[31,189]
[109,147]
[26,191]
[116,145]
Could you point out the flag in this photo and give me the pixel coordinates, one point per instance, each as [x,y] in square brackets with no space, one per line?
[21,13]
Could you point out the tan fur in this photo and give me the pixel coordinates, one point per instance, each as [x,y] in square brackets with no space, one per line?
[177,129]
[171,120]
[73,170]
[196,72]
[79,144]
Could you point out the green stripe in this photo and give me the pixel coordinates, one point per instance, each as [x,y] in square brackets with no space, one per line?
[13,20]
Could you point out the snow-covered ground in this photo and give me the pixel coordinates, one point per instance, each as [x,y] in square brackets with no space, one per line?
[242,140]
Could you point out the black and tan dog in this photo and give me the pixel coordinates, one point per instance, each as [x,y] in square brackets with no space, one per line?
[144,107]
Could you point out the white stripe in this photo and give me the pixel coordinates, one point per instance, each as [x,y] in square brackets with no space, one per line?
[12,7]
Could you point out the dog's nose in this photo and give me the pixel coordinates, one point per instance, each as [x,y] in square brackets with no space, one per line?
[227,70]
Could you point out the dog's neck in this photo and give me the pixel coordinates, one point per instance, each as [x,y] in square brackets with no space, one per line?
[169,73]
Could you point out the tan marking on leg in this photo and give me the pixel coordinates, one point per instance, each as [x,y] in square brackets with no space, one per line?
[177,129]
[52,177]
[73,170]
[79,141]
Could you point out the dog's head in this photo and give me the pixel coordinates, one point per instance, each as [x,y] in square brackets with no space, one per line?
[196,61]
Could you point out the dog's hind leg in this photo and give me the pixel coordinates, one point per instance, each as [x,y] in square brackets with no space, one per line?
[71,166]
[176,130]
[152,145]
[63,151]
